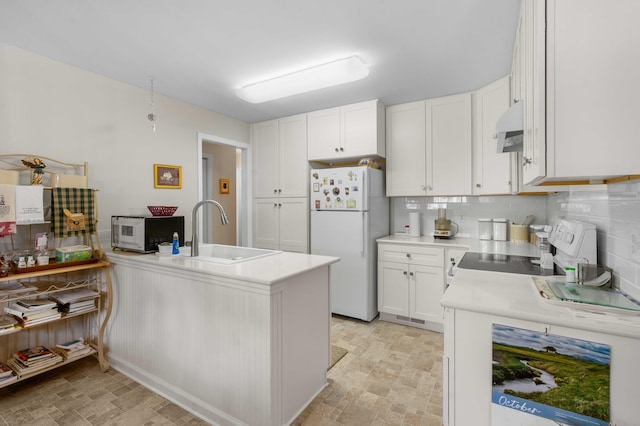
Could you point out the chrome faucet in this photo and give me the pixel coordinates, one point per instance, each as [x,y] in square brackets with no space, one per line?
[194,223]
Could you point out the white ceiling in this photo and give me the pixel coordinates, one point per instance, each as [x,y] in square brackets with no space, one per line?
[201,51]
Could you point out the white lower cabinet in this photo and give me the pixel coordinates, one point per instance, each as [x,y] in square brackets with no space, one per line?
[281,224]
[411,284]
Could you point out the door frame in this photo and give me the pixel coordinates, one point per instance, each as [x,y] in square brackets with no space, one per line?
[245,213]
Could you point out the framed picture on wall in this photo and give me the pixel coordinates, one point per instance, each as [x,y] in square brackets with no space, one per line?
[165,176]
[224,186]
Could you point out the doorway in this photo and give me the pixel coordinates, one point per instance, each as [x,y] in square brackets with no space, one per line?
[223,175]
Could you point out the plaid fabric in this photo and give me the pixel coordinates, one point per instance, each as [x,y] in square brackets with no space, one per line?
[76,200]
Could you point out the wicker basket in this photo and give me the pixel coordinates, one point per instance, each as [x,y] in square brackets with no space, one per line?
[162,210]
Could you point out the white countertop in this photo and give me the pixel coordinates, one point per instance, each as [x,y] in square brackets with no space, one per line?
[515,296]
[515,248]
[266,270]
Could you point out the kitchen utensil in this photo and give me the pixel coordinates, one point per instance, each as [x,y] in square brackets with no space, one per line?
[528,220]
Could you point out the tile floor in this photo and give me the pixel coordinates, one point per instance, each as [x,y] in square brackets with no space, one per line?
[392,375]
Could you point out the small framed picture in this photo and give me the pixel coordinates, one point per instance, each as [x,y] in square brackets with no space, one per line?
[224,186]
[165,176]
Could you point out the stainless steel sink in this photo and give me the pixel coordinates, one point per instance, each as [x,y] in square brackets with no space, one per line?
[219,253]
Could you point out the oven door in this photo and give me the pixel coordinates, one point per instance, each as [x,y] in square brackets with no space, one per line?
[128,233]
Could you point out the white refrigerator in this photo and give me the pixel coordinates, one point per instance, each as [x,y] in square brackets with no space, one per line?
[349,211]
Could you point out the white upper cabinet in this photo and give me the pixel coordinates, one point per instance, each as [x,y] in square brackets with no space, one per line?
[429,147]
[406,149]
[492,170]
[348,132]
[279,156]
[581,90]
[449,140]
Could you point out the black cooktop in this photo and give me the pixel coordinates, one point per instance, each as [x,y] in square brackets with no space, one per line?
[502,263]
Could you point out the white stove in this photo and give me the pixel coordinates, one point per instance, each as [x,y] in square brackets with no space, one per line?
[575,242]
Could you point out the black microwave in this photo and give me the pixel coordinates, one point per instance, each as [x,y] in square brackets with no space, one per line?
[142,234]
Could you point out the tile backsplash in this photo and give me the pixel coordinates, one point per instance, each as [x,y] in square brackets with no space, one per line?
[614,209]
[465,211]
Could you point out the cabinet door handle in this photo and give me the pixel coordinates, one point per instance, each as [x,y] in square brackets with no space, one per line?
[341,149]
[526,160]
[409,255]
[279,205]
[275,204]
[279,191]
[404,272]
[336,149]
[410,273]
[275,191]
[478,185]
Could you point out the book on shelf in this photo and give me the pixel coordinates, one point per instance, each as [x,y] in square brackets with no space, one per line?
[8,379]
[74,296]
[30,316]
[75,307]
[7,322]
[21,368]
[33,359]
[73,349]
[34,353]
[37,304]
[24,322]
[72,344]
[15,308]
[5,371]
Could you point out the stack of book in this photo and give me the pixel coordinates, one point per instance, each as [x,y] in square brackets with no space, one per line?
[30,312]
[75,301]
[74,349]
[7,323]
[6,375]
[28,361]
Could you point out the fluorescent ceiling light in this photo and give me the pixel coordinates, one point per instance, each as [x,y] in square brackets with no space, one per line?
[318,77]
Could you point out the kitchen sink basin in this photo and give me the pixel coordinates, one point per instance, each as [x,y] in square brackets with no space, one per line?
[219,253]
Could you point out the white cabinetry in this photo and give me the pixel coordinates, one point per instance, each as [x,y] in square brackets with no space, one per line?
[280,184]
[429,147]
[279,157]
[347,132]
[411,284]
[493,173]
[281,224]
[588,81]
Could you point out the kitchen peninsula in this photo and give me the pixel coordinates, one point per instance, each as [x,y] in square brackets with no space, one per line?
[237,343]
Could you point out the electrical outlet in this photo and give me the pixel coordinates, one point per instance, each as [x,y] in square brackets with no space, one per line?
[634,247]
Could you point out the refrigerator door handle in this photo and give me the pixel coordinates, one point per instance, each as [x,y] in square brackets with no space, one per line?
[364,230]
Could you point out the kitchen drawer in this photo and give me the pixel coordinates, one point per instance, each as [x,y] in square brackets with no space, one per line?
[411,254]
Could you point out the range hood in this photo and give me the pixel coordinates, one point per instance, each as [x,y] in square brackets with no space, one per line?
[509,129]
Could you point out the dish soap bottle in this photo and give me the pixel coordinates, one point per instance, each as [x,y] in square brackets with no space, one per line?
[176,244]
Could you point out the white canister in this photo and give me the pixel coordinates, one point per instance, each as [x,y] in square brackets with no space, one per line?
[500,229]
[414,224]
[485,229]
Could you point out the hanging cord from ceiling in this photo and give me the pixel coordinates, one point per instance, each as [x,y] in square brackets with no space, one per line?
[151,116]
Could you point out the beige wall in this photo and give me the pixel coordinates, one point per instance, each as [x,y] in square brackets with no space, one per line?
[59,111]
[224,167]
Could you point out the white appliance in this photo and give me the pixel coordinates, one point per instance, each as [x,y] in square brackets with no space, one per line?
[143,233]
[349,211]
[575,242]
